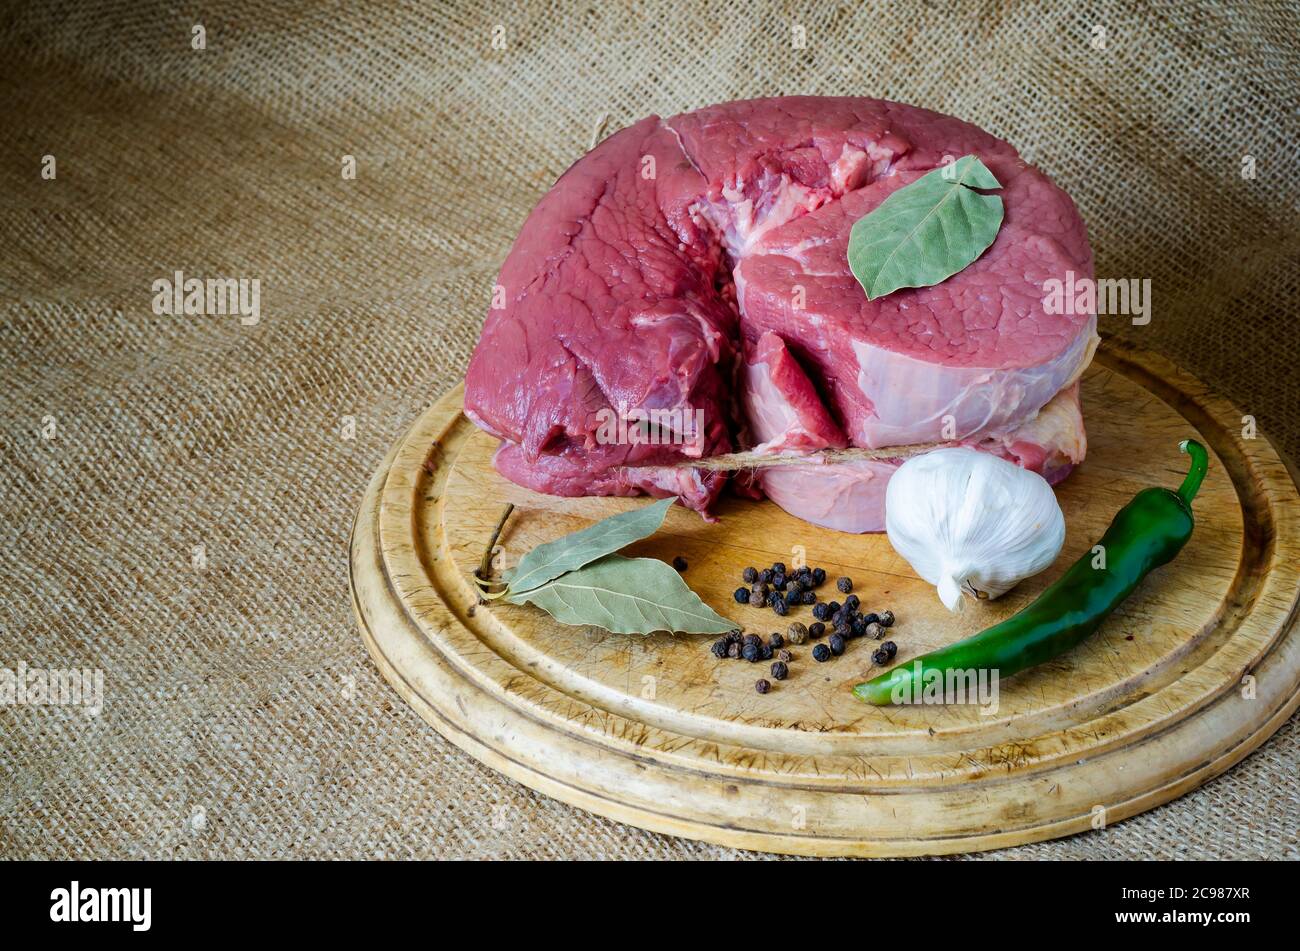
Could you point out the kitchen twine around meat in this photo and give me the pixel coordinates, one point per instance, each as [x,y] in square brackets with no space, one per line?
[178,487]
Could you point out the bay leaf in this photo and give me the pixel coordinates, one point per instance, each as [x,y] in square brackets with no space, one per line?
[552,559]
[626,596]
[927,231]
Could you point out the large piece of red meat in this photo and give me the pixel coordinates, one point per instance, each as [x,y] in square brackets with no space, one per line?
[695,268]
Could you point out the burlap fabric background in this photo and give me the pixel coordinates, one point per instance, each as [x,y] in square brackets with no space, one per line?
[243,718]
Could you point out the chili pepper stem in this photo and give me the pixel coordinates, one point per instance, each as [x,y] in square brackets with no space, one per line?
[1200,462]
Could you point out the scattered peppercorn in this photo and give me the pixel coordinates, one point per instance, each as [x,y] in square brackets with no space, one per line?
[871,618]
[808,597]
[859,626]
[875,631]
[750,652]
[751,639]
[887,618]
[821,653]
[780,671]
[750,575]
[797,633]
[845,585]
[679,563]
[762,686]
[778,567]
[880,657]
[819,576]
[832,607]
[890,648]
[821,611]
[779,580]
[852,602]
[837,644]
[816,629]
[733,637]
[759,592]
[741,595]
[785,655]
[720,648]
[765,576]
[776,640]
[765,652]
[779,605]
[733,651]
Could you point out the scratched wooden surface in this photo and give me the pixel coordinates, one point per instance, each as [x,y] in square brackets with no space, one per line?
[1193,672]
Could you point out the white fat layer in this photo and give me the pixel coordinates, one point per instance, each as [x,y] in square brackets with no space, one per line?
[911,399]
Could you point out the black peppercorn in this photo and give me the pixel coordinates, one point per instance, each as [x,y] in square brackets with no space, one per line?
[778,581]
[875,631]
[832,607]
[759,593]
[751,639]
[808,597]
[751,653]
[816,629]
[741,595]
[887,618]
[779,605]
[859,626]
[821,611]
[780,671]
[765,576]
[733,651]
[784,655]
[797,633]
[837,644]
[852,602]
[720,648]
[750,575]
[880,657]
[778,567]
[776,640]
[764,652]
[890,648]
[871,618]
[679,563]
[733,637]
[821,653]
[844,584]
[762,686]
[819,576]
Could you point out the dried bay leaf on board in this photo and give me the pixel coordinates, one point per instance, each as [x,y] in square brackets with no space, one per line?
[626,596]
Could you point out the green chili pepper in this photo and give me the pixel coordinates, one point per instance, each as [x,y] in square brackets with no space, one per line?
[1147,533]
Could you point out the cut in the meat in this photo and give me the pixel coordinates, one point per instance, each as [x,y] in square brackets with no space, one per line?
[784,410]
[696,268]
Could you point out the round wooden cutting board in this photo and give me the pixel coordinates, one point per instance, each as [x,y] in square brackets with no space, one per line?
[1194,671]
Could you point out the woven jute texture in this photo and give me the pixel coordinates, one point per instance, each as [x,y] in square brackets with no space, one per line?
[177,490]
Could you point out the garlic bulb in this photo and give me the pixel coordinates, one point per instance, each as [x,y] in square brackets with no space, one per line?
[968,521]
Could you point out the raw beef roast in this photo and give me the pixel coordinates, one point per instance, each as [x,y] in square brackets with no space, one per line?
[692,273]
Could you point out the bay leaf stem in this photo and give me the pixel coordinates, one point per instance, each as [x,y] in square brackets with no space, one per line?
[484,572]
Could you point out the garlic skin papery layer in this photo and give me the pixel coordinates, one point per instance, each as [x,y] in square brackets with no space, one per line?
[970,522]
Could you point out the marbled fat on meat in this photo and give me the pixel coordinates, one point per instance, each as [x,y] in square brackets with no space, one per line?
[699,264]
